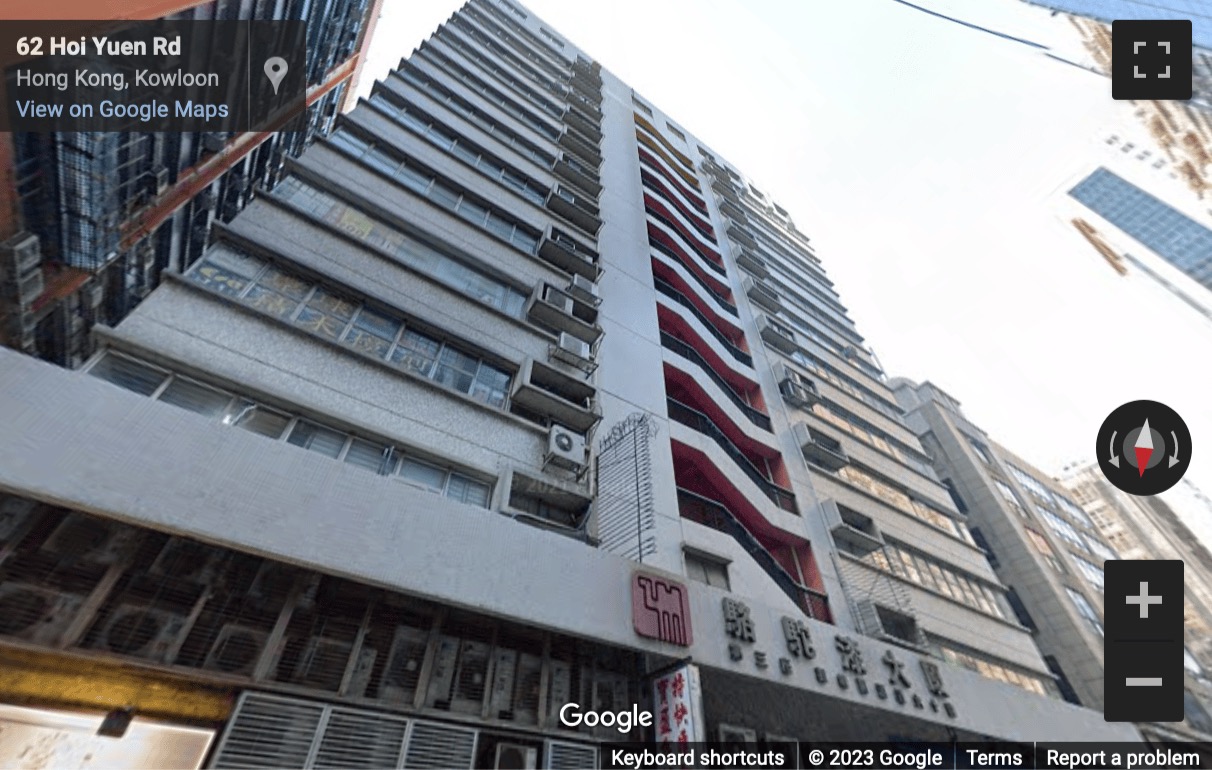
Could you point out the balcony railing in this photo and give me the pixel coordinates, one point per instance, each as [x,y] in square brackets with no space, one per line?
[719,298]
[700,422]
[668,290]
[686,351]
[709,513]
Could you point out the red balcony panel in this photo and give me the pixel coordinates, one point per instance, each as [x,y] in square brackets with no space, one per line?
[700,223]
[683,387]
[704,250]
[691,263]
[695,199]
[674,325]
[734,333]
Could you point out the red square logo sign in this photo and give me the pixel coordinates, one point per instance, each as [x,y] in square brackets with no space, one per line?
[660,609]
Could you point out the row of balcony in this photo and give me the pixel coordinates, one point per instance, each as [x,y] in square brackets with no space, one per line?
[710,513]
[725,304]
[700,422]
[683,349]
[668,289]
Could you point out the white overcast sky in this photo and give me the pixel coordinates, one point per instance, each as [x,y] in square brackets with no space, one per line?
[922,158]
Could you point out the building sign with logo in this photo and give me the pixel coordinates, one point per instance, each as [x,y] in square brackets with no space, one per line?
[677,699]
[660,609]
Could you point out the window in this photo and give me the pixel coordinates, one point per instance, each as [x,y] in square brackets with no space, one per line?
[1062,528]
[1020,610]
[1010,497]
[978,538]
[393,105]
[644,108]
[899,499]
[981,450]
[1032,484]
[426,183]
[1073,511]
[1096,547]
[239,411]
[707,569]
[545,33]
[460,147]
[673,130]
[937,576]
[1042,545]
[1085,610]
[1091,572]
[411,251]
[960,505]
[959,655]
[355,325]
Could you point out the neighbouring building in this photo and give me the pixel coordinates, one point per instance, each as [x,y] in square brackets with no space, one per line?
[89,221]
[510,394]
[1044,546]
[1148,528]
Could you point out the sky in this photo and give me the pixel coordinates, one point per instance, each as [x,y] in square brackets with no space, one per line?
[924,160]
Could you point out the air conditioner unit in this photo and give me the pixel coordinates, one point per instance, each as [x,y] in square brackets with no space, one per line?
[515,755]
[36,614]
[20,255]
[403,671]
[471,677]
[572,350]
[274,582]
[776,335]
[891,625]
[141,631]
[561,683]
[187,560]
[87,538]
[504,681]
[565,448]
[797,389]
[441,680]
[584,290]
[236,650]
[557,299]
[527,687]
[762,295]
[322,663]
[858,531]
[850,352]
[820,448]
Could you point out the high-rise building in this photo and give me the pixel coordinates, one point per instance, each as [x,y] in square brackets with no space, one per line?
[1044,546]
[1162,229]
[1148,528]
[510,395]
[90,220]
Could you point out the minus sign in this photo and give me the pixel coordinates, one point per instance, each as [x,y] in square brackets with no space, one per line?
[1143,681]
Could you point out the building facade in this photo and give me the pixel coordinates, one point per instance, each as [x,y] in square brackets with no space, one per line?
[90,220]
[1148,528]
[1180,240]
[1042,543]
[581,403]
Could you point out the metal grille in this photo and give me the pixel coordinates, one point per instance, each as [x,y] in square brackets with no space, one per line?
[570,756]
[440,747]
[361,739]
[625,499]
[268,731]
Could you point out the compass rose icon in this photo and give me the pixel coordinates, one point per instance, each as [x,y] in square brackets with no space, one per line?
[1144,447]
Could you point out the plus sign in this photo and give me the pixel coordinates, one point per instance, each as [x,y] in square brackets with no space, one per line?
[1144,599]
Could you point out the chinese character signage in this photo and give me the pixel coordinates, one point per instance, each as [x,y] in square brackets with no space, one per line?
[677,699]
[660,609]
